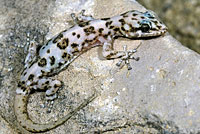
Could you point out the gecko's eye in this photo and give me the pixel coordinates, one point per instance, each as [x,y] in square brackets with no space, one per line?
[145,27]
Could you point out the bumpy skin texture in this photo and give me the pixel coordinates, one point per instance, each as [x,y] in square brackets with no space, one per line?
[48,60]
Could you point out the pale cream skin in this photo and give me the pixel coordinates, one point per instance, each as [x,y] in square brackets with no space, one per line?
[62,49]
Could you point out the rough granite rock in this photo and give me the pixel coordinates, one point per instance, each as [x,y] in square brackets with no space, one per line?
[159,95]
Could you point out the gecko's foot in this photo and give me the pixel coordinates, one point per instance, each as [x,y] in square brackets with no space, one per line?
[32,47]
[49,105]
[50,101]
[128,55]
[81,17]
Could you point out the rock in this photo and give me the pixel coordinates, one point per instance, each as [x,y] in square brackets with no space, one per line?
[159,95]
[5,127]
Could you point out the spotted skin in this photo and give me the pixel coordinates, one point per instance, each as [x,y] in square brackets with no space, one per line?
[44,62]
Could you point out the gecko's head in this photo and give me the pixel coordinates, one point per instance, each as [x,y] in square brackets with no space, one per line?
[136,24]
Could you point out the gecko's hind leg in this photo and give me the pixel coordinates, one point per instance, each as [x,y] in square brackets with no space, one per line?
[50,86]
[81,17]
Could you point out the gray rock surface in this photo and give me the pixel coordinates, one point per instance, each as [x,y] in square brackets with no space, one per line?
[159,95]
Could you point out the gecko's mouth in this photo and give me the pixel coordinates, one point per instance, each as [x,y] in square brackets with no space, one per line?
[151,33]
[154,33]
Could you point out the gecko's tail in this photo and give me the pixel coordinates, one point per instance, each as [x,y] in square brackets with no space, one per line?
[20,106]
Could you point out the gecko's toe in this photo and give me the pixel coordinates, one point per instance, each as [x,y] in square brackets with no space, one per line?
[125,59]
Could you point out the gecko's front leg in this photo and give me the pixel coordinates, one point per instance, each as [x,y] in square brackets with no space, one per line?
[81,17]
[32,48]
[110,53]
[51,87]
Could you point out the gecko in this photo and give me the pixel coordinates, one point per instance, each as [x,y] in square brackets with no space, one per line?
[44,62]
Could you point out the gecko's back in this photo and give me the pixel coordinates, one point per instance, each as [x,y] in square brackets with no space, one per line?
[44,62]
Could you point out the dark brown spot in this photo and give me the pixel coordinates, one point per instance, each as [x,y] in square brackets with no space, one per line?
[89,30]
[52,62]
[58,38]
[111,27]
[105,18]
[43,72]
[69,56]
[48,51]
[45,87]
[55,86]
[23,88]
[38,49]
[105,36]
[31,76]
[142,17]
[83,44]
[109,32]
[51,71]
[65,56]
[156,22]
[95,38]
[100,30]
[24,112]
[108,23]
[159,27]
[25,73]
[116,29]
[31,65]
[125,15]
[60,64]
[110,55]
[48,42]
[75,50]
[63,44]
[47,82]
[123,28]
[134,14]
[19,84]
[133,18]
[115,37]
[42,62]
[73,33]
[120,32]
[88,41]
[83,24]
[73,45]
[122,21]
[78,36]
[132,29]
